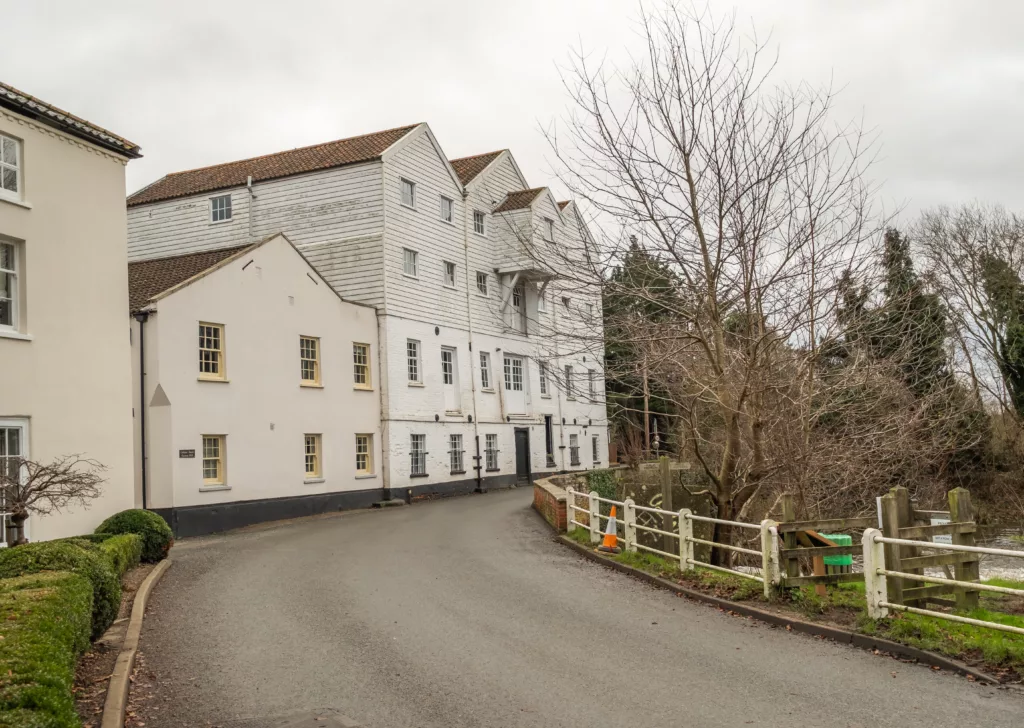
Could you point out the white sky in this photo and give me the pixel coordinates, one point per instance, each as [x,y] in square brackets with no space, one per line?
[197,83]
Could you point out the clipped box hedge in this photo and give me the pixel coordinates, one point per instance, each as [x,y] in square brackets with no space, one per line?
[157,537]
[45,620]
[124,551]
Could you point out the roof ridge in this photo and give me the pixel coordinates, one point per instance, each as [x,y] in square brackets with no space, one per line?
[477,156]
[193,252]
[405,128]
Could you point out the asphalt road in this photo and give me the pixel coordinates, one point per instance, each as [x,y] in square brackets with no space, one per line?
[464,612]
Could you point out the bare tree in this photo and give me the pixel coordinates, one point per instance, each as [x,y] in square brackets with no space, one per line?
[30,487]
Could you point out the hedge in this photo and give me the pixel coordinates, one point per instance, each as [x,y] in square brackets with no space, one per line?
[157,537]
[75,555]
[124,551]
[45,620]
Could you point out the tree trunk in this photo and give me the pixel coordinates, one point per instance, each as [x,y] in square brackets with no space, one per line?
[16,536]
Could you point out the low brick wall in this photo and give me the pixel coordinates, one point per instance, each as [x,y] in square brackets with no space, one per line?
[549,501]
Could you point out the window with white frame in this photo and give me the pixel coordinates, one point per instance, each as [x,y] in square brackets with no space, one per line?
[447,209]
[479,222]
[570,393]
[485,369]
[542,302]
[591,382]
[590,312]
[361,365]
[447,365]
[10,166]
[211,351]
[220,208]
[410,262]
[491,451]
[13,453]
[595,446]
[312,459]
[481,283]
[408,193]
[455,453]
[8,286]
[549,229]
[418,455]
[213,460]
[574,449]
[364,454]
[449,274]
[412,361]
[542,370]
[518,294]
[514,373]
[309,359]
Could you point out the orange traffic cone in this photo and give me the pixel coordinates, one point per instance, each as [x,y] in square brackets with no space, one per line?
[610,545]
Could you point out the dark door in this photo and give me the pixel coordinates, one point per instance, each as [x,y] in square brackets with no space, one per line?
[522,455]
[549,441]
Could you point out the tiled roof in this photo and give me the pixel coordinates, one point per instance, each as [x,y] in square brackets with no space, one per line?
[271,166]
[34,108]
[562,204]
[519,199]
[148,278]
[469,167]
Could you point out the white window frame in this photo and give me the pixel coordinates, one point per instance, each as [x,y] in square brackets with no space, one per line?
[364,451]
[595,449]
[485,372]
[542,302]
[451,210]
[361,367]
[223,209]
[510,373]
[481,216]
[16,166]
[450,271]
[22,424]
[15,280]
[305,343]
[449,369]
[574,449]
[414,362]
[220,458]
[591,382]
[417,455]
[456,453]
[542,371]
[403,185]
[410,260]
[491,452]
[481,283]
[549,229]
[590,312]
[569,390]
[317,473]
[221,375]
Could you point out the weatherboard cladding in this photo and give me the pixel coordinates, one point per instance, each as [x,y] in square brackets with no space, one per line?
[271,166]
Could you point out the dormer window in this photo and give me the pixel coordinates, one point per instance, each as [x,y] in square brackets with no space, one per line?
[220,208]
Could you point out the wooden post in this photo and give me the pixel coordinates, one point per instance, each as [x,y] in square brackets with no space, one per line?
[769,562]
[891,529]
[905,512]
[665,469]
[789,539]
[960,511]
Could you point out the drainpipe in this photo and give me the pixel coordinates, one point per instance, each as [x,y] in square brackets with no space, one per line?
[469,322]
[141,317]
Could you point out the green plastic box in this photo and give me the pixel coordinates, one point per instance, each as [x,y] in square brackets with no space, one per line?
[839,539]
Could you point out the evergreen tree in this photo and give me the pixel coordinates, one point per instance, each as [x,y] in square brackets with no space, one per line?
[1005,294]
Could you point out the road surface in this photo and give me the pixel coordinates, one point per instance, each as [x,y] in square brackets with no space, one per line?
[464,612]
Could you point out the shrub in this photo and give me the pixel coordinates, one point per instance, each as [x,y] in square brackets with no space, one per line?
[157,538]
[79,557]
[124,551]
[46,620]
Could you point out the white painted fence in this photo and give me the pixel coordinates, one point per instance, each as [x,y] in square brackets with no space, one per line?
[876,588]
[770,575]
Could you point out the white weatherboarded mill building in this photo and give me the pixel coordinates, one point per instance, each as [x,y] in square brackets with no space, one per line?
[481,375]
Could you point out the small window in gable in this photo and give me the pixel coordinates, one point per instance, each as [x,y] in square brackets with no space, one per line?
[479,223]
[220,208]
[447,209]
[408,193]
[549,229]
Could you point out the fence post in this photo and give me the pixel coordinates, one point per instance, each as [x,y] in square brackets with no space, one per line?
[769,558]
[629,524]
[595,520]
[874,583]
[685,544]
[665,472]
[570,514]
[891,529]
[960,511]
[792,564]
[905,511]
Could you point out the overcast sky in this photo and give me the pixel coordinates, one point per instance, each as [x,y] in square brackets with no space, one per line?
[197,83]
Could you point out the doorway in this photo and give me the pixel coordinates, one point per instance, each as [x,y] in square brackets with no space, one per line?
[523,475]
[549,441]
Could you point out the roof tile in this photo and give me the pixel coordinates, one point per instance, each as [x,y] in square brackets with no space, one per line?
[148,278]
[519,199]
[469,167]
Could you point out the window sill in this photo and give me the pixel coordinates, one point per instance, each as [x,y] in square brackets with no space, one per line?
[17,335]
[410,277]
[407,207]
[457,472]
[311,385]
[313,481]
[417,384]
[212,379]
[481,294]
[362,388]
[213,488]
[16,202]
[453,413]
[489,390]
[366,476]
[221,222]
[480,235]
[492,470]
[450,288]
[419,475]
[448,222]
[570,399]
[545,396]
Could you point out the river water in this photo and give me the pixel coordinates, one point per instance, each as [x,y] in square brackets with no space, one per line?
[1001,567]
